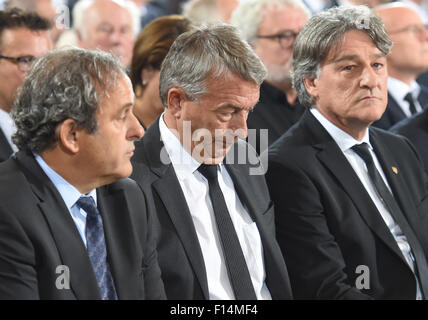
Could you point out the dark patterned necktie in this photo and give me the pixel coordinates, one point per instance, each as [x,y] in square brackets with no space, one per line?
[387,198]
[96,246]
[235,261]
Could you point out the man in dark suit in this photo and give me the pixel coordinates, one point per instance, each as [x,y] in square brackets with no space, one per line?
[415,129]
[72,226]
[271,27]
[407,60]
[214,215]
[350,200]
[23,37]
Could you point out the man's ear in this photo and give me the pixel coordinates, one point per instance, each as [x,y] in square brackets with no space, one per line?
[176,99]
[68,136]
[311,85]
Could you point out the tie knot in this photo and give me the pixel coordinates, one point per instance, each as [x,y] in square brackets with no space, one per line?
[88,204]
[363,151]
[208,171]
[409,98]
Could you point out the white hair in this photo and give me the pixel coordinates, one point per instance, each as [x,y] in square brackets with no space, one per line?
[82,5]
[248,16]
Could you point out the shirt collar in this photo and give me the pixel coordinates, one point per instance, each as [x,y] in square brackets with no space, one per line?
[184,164]
[67,191]
[398,89]
[343,139]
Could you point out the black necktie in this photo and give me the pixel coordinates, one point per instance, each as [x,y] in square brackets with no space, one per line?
[421,267]
[409,99]
[97,251]
[237,267]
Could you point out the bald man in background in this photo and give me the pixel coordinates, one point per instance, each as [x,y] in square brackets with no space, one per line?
[407,60]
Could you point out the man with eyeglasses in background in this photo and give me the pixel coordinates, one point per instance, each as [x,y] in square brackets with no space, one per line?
[271,27]
[408,60]
[24,36]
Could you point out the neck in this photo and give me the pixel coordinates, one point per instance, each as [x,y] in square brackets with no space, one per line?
[145,113]
[68,168]
[406,77]
[288,90]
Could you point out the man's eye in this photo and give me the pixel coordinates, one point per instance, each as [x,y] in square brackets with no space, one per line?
[377,65]
[348,68]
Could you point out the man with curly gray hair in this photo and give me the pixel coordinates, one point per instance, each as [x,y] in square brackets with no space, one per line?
[350,200]
[72,226]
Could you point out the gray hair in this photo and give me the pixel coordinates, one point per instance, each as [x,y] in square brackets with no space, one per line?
[79,11]
[249,14]
[63,84]
[207,51]
[323,32]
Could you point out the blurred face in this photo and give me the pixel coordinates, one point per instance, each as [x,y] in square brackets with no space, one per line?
[219,117]
[109,28]
[409,54]
[351,90]
[275,54]
[106,153]
[18,43]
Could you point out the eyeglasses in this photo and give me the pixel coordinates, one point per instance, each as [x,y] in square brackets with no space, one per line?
[24,63]
[416,29]
[285,39]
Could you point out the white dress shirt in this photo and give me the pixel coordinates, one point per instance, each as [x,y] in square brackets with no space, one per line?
[398,90]
[70,195]
[345,143]
[7,125]
[195,189]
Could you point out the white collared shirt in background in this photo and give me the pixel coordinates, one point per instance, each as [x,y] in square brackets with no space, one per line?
[399,90]
[196,192]
[7,125]
[345,143]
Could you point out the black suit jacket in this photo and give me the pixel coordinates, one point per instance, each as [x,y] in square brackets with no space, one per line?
[415,129]
[180,255]
[38,234]
[5,148]
[327,224]
[394,113]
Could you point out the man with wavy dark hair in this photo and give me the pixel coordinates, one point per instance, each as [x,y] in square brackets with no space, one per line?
[23,37]
[350,200]
[71,225]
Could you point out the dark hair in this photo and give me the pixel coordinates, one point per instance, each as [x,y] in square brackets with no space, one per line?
[17,18]
[153,44]
[63,84]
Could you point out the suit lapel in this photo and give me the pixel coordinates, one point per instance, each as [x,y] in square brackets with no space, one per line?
[333,159]
[121,250]
[70,246]
[168,189]
[395,181]
[423,97]
[5,148]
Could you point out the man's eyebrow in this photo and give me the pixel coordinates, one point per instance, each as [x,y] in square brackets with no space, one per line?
[355,57]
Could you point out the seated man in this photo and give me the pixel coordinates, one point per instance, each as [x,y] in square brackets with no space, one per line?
[24,36]
[408,59]
[70,226]
[214,217]
[351,202]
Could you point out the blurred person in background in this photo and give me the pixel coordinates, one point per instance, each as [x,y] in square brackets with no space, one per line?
[107,25]
[150,49]
[209,11]
[45,9]
[271,27]
[24,36]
